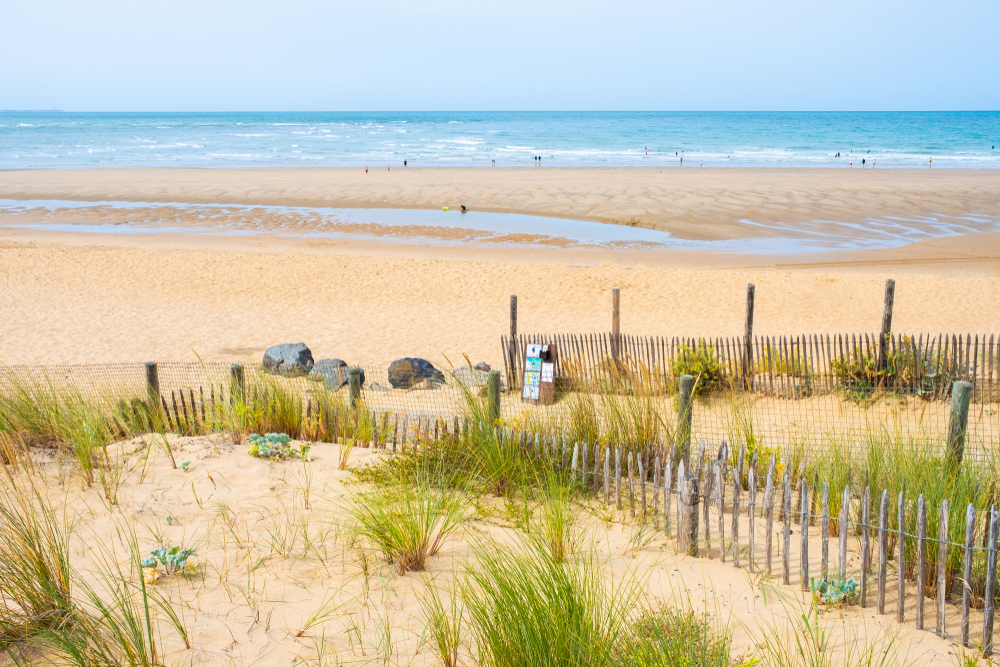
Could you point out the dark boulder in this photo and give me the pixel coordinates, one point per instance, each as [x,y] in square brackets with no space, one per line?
[404,373]
[333,372]
[288,359]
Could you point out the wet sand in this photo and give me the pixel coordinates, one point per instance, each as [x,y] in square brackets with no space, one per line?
[70,296]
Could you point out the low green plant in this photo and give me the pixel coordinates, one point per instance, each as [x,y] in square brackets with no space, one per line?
[701,361]
[275,446]
[835,591]
[670,636]
[172,561]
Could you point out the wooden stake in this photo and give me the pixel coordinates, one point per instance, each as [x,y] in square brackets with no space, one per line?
[615,323]
[642,486]
[769,521]
[656,492]
[890,292]
[866,553]
[883,549]
[607,475]
[576,454]
[921,559]
[751,512]
[720,501]
[618,478]
[631,487]
[748,340]
[734,532]
[825,534]
[804,541]
[991,583]
[941,569]
[901,559]
[845,507]
[667,473]
[786,510]
[970,531]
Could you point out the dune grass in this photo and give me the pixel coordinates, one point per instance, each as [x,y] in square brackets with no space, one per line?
[408,522]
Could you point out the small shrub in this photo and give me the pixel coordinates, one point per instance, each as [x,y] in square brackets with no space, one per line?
[702,363]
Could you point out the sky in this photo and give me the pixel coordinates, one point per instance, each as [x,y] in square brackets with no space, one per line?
[184,55]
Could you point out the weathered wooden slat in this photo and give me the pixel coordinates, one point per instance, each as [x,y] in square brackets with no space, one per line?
[969,547]
[786,511]
[866,553]
[845,507]
[751,515]
[769,519]
[883,548]
[825,534]
[991,583]
[804,534]
[942,580]
[921,559]
[901,558]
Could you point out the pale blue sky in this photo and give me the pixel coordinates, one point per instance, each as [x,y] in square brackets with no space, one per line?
[114,55]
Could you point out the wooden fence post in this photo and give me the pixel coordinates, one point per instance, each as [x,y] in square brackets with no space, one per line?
[958,421]
[354,386]
[615,323]
[493,397]
[748,370]
[152,386]
[883,345]
[607,475]
[667,479]
[921,558]
[685,387]
[513,380]
[734,531]
[239,380]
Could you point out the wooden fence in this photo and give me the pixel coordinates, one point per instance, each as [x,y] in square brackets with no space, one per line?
[685,496]
[778,365]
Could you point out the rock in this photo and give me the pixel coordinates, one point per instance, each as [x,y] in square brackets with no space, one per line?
[333,372]
[375,386]
[404,373]
[289,359]
[483,366]
[473,378]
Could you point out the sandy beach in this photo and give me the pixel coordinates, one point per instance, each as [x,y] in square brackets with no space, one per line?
[73,297]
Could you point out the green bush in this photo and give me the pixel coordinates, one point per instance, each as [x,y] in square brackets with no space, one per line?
[702,363]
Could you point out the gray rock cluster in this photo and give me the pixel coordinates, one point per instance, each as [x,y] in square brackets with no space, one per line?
[411,373]
[288,359]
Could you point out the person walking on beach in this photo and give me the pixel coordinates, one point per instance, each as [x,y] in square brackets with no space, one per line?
[366,170]
[404,164]
[930,161]
[862,163]
[494,163]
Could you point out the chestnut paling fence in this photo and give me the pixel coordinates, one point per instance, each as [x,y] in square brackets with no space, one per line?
[899,546]
[893,552]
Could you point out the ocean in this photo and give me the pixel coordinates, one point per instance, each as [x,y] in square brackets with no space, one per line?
[947,139]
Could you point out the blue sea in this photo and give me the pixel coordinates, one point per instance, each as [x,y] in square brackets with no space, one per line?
[52,139]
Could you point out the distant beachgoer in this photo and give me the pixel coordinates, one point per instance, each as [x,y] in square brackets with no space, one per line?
[930,161]
[464,209]
[539,160]
[682,162]
[862,163]
[494,163]
[850,164]
[404,163]
[873,163]
[366,170]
